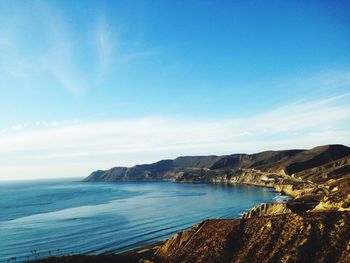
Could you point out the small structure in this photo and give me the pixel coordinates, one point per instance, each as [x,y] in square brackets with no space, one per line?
[267,179]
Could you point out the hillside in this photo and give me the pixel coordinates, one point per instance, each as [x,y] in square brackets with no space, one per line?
[204,168]
[318,237]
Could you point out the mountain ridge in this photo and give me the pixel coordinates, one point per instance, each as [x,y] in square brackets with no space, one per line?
[205,167]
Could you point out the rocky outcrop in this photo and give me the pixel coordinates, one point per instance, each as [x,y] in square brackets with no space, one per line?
[316,237]
[267,209]
[323,188]
[248,176]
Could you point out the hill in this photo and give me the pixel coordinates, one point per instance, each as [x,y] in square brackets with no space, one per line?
[204,168]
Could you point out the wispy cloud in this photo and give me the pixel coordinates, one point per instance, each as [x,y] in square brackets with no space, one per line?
[113,51]
[56,56]
[60,59]
[322,83]
[47,123]
[103,144]
[104,44]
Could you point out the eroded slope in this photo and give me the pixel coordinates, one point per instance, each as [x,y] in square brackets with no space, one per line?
[316,237]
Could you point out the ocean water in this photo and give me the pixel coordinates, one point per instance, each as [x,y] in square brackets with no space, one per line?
[56,217]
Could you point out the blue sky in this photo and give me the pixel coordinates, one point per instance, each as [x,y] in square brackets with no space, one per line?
[93,84]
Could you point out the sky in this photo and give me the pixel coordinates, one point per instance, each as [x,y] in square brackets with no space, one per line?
[87,85]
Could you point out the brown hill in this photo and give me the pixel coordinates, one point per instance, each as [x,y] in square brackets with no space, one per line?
[288,161]
[317,237]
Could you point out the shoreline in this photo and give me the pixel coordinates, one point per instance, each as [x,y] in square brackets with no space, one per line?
[228,193]
[262,210]
[157,252]
[151,245]
[145,250]
[312,226]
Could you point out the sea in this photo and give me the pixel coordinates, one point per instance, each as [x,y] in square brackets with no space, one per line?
[42,218]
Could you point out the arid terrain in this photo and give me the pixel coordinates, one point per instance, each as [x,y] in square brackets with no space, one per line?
[314,226]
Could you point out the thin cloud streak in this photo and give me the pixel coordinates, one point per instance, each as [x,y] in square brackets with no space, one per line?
[104,45]
[57,59]
[60,60]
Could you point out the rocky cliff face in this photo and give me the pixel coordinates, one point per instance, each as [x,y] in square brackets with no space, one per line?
[314,226]
[323,188]
[316,237]
[268,209]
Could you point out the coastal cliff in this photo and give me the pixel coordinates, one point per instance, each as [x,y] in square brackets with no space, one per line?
[207,169]
[317,179]
[316,237]
[313,226]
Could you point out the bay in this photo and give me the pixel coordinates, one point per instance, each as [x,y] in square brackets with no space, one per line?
[57,217]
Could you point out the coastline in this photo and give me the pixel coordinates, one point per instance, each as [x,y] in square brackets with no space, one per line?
[160,251]
[269,211]
[312,226]
[145,248]
[148,250]
[297,205]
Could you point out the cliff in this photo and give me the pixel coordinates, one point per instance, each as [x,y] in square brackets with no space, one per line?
[313,226]
[318,179]
[317,237]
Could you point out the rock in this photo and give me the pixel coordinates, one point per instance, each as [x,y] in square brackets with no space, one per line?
[267,209]
[316,237]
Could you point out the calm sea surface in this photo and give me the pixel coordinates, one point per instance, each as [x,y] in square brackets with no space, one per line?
[56,217]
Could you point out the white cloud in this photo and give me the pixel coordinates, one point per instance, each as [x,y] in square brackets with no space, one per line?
[16,127]
[94,145]
[47,123]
